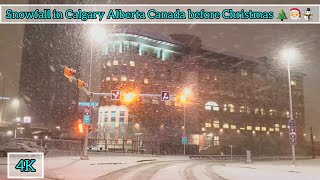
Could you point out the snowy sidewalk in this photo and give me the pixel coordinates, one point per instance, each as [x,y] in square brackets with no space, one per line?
[305,170]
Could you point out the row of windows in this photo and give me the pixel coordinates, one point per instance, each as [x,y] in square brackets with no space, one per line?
[216,124]
[116,63]
[123,78]
[245,109]
[141,49]
[113,116]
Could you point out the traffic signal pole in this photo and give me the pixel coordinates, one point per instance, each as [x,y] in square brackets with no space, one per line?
[86,133]
[85,143]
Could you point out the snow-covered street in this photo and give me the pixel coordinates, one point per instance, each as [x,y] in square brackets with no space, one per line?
[134,167]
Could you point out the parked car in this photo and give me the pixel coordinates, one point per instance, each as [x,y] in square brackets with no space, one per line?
[35,146]
[16,147]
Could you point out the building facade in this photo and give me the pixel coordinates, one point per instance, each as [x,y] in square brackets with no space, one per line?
[234,101]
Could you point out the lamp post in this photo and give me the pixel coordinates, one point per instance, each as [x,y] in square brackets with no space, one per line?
[96,34]
[2,94]
[15,103]
[289,54]
[183,98]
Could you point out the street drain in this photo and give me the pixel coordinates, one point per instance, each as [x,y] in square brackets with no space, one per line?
[106,163]
[248,167]
[294,171]
[146,160]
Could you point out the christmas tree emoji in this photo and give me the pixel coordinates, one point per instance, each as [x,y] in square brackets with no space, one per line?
[282,15]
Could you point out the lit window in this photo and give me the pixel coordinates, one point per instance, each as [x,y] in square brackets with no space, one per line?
[216,124]
[203,129]
[216,138]
[242,109]
[208,76]
[215,78]
[225,126]
[123,78]
[244,72]
[277,129]
[109,63]
[293,83]
[176,103]
[249,128]
[216,143]
[284,126]
[225,107]
[211,106]
[262,111]
[286,114]
[257,128]
[146,81]
[256,110]
[271,129]
[242,128]
[167,103]
[263,128]
[115,62]
[248,110]
[233,127]
[207,124]
[132,63]
[272,112]
[107,78]
[155,101]
[230,107]
[277,125]
[131,80]
[114,79]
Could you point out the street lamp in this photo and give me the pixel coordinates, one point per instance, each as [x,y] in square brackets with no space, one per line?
[129,97]
[97,34]
[289,54]
[15,103]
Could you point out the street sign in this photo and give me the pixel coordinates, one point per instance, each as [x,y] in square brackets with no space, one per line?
[88,104]
[115,95]
[184,140]
[292,123]
[27,119]
[86,119]
[292,130]
[293,141]
[165,95]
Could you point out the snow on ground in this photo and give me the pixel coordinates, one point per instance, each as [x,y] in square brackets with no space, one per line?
[305,169]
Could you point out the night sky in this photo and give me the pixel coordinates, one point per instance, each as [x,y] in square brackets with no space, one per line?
[239,40]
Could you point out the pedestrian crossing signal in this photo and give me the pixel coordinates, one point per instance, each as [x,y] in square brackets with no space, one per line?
[115,95]
[165,96]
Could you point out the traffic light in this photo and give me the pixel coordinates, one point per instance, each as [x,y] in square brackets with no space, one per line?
[89,128]
[129,97]
[81,83]
[68,72]
[183,99]
[80,127]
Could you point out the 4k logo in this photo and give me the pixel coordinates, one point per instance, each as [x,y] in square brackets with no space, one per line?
[25,165]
